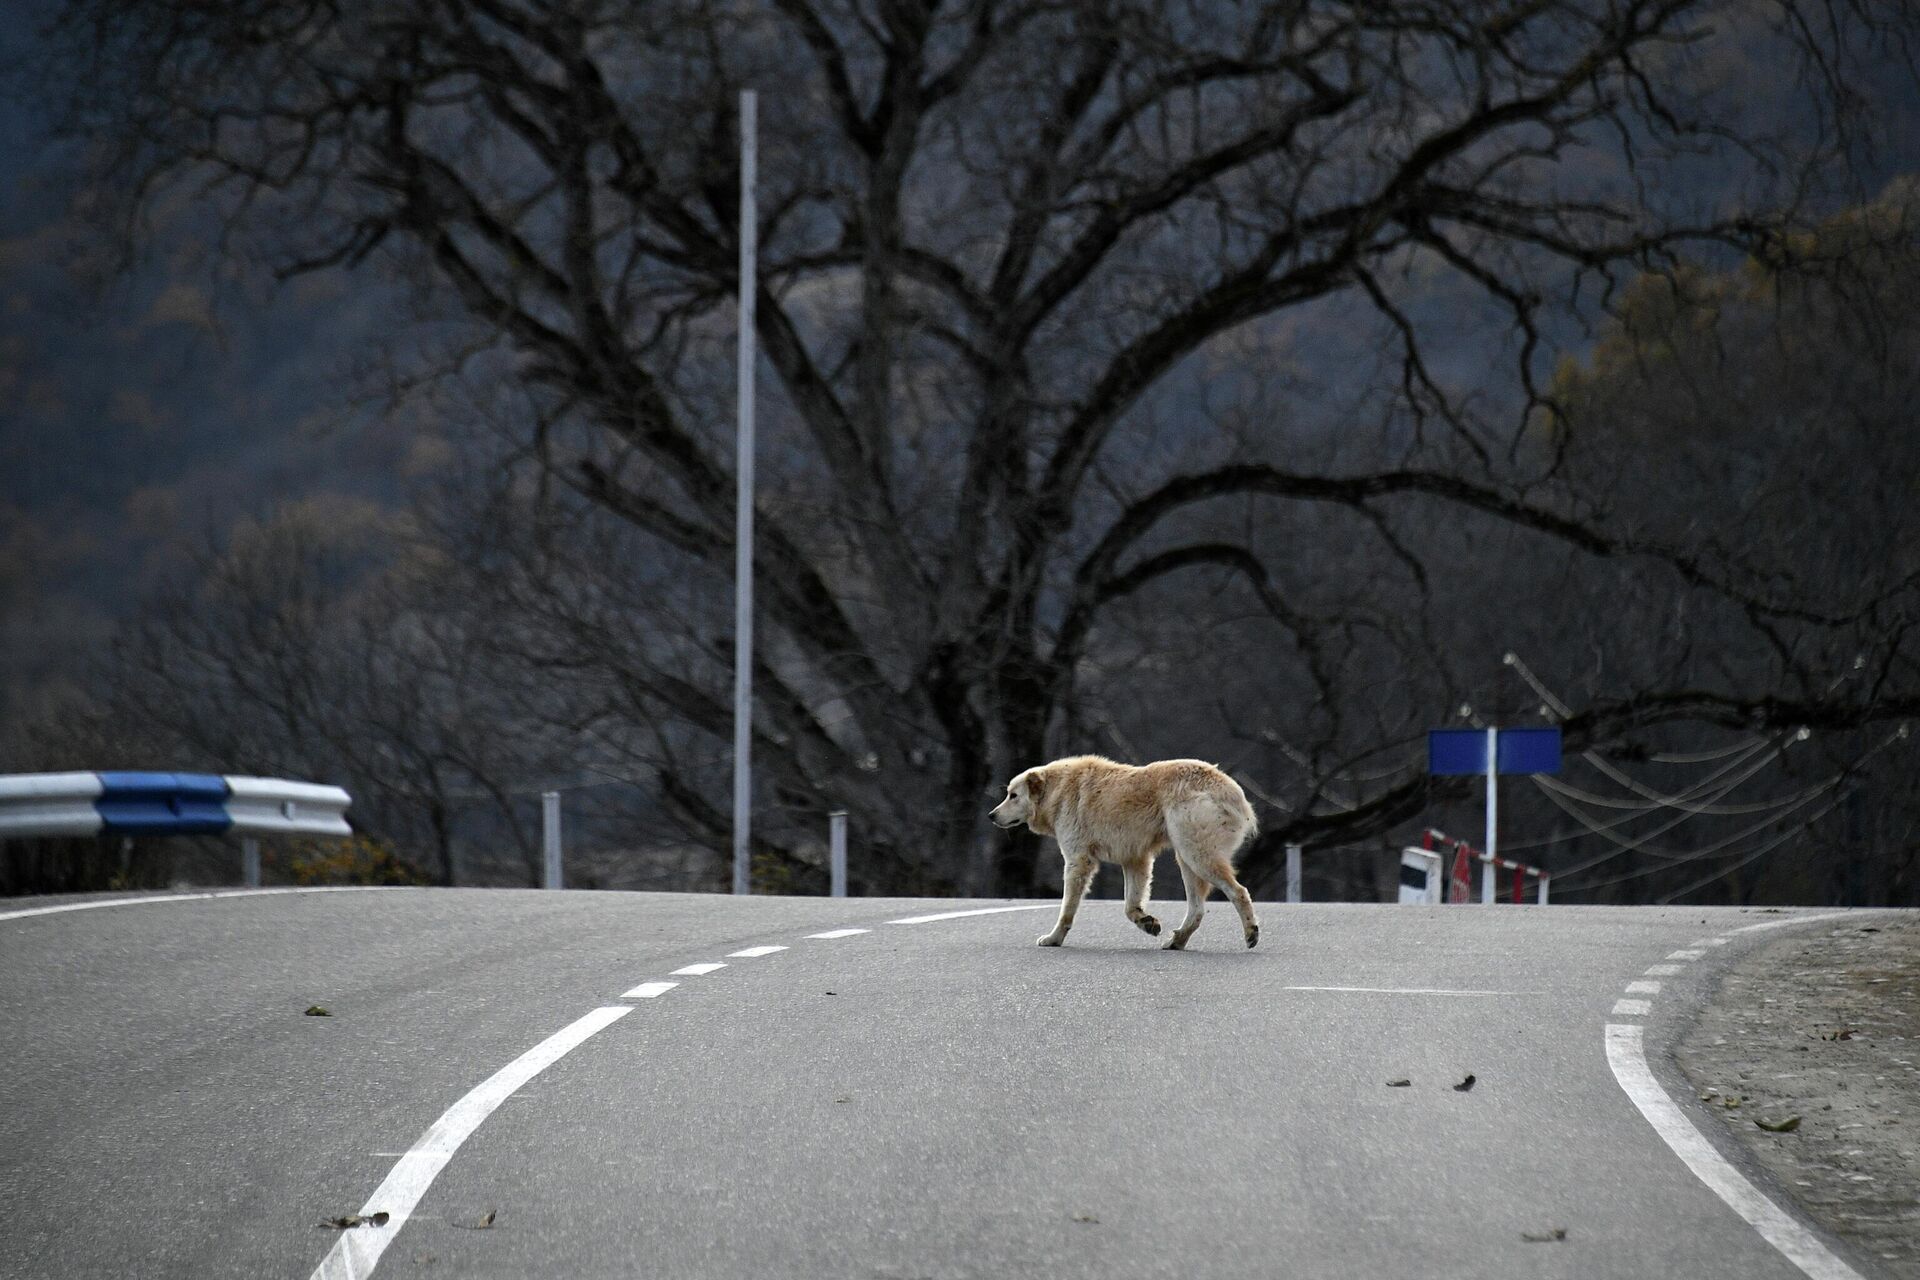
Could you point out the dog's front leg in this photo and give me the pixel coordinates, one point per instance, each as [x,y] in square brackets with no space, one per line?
[1139,880]
[1073,886]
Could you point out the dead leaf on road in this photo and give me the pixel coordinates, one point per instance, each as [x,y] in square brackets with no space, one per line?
[486,1220]
[352,1220]
[1544,1237]
[1398,1084]
[317,1011]
[1464,1085]
[1778,1126]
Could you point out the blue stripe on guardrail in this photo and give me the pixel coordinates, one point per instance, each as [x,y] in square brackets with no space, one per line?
[162,804]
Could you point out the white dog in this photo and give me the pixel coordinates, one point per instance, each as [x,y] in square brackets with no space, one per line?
[1100,811]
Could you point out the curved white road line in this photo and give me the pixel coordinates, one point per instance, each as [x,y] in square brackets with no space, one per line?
[1628,1059]
[193,897]
[357,1252]
[1626,1054]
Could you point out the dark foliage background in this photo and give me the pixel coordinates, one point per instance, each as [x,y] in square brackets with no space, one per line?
[1268,383]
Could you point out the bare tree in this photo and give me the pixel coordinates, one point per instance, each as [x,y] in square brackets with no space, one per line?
[1015,257]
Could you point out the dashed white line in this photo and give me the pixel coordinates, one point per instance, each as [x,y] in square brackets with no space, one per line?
[1708,942]
[1685,955]
[1631,1008]
[839,933]
[1643,988]
[1662,970]
[695,970]
[978,911]
[750,952]
[358,1251]
[648,990]
[1627,1057]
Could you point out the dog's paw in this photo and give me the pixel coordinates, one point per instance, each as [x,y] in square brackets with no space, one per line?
[1175,943]
[1253,936]
[1149,926]
[1049,940]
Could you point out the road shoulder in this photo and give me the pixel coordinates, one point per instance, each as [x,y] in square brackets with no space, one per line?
[1818,1034]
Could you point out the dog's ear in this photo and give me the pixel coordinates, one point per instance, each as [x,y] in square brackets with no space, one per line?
[1036,784]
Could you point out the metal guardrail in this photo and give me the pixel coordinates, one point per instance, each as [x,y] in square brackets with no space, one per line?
[167,804]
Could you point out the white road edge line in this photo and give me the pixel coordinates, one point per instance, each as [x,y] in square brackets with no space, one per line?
[978,911]
[195,897]
[695,970]
[648,990]
[1414,991]
[839,933]
[751,952]
[358,1249]
[1627,1056]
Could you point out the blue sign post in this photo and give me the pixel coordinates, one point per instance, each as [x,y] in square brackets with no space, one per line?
[1454,752]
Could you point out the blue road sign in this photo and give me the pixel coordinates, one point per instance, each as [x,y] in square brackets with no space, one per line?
[1463,751]
[1529,750]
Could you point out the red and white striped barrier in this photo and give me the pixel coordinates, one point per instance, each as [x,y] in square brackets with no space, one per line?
[1459,883]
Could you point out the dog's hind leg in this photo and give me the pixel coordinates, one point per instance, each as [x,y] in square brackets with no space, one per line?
[1073,887]
[1205,833]
[1139,878]
[1196,906]
[1220,874]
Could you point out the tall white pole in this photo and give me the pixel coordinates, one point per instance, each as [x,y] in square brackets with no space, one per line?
[743,525]
[1487,890]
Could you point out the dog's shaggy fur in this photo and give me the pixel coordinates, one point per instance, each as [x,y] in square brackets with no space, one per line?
[1100,811]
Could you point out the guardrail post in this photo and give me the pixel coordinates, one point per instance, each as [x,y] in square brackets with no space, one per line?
[550,838]
[837,852]
[1293,873]
[250,862]
[1489,892]
[1543,889]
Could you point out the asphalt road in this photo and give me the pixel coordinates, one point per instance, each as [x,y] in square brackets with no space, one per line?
[941,1099]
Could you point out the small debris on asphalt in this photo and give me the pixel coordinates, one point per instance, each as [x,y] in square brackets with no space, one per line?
[353,1220]
[1550,1236]
[1778,1126]
[485,1221]
[318,1011]
[1398,1084]
[1086,1217]
[1464,1085]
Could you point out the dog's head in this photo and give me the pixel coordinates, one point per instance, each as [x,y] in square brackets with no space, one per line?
[1026,796]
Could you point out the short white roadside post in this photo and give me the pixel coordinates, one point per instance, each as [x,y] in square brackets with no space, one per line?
[837,852]
[250,861]
[1543,889]
[550,838]
[1487,891]
[1293,873]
